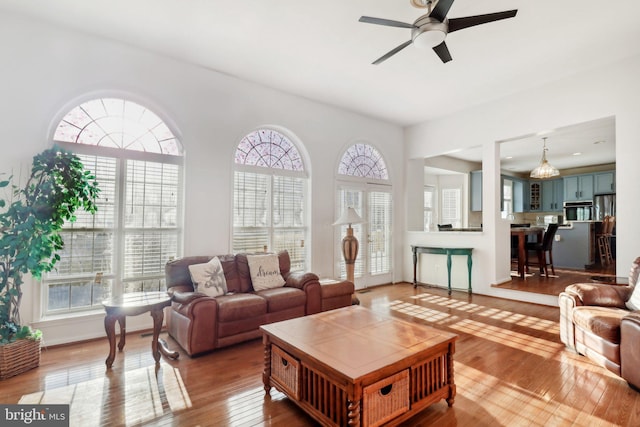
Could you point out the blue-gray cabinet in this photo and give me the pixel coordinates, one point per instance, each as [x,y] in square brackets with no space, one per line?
[604,182]
[475,202]
[578,187]
[552,195]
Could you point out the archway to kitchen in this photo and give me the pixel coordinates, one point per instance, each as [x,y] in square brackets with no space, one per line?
[578,198]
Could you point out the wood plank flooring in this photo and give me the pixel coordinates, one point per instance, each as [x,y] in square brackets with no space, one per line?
[510,370]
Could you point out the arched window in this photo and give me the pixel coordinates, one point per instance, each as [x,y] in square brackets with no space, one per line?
[270,196]
[363,183]
[137,162]
[363,160]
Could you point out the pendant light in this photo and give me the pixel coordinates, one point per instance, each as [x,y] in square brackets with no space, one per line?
[544,170]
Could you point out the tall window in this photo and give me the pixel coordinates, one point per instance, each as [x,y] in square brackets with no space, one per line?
[507,198]
[364,185]
[270,197]
[137,162]
[429,197]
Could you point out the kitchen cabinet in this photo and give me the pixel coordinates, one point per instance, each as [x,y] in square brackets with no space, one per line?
[535,200]
[475,201]
[518,195]
[604,182]
[552,195]
[578,188]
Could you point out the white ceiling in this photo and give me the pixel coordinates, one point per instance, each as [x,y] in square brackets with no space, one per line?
[320,51]
[578,145]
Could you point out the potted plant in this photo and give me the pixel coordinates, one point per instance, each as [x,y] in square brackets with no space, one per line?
[31,218]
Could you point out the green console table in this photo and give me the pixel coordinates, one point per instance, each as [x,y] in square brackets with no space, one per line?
[442,251]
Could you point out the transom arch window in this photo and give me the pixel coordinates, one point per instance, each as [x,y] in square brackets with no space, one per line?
[363,160]
[138,163]
[270,197]
[364,184]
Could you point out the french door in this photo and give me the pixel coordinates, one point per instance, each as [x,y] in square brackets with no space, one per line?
[374,205]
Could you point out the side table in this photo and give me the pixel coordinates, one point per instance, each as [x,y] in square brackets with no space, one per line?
[132,304]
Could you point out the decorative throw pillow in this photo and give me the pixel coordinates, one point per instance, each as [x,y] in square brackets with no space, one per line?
[634,301]
[265,271]
[209,278]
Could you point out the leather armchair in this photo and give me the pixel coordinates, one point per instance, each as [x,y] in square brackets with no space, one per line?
[592,320]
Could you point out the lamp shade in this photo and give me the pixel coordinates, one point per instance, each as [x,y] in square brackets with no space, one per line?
[349,216]
[544,169]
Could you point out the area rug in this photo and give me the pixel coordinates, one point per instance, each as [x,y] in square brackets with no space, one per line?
[144,394]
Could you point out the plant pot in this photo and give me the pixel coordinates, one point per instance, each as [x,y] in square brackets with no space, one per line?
[18,357]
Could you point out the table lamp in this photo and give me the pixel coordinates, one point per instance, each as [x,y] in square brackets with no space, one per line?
[349,242]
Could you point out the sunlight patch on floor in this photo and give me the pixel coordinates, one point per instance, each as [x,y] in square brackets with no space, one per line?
[510,404]
[493,313]
[148,393]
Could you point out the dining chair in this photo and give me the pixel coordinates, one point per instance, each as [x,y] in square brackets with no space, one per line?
[604,239]
[543,249]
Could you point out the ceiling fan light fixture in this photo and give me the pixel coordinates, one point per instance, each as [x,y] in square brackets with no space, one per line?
[544,169]
[429,39]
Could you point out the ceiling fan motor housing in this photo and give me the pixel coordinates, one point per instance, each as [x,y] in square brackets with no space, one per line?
[429,32]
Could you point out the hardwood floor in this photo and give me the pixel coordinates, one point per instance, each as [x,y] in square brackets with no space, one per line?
[510,370]
[554,284]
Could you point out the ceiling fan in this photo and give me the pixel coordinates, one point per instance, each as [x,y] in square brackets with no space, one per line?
[431,29]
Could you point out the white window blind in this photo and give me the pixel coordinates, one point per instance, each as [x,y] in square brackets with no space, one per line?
[150,238]
[429,196]
[89,245]
[451,209]
[379,223]
[269,212]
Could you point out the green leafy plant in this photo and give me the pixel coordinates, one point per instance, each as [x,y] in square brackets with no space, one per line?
[30,224]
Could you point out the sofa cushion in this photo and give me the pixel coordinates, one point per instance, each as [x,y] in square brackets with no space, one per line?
[601,321]
[279,299]
[265,271]
[233,307]
[208,278]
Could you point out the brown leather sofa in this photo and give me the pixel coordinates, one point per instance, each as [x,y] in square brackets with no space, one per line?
[200,323]
[595,322]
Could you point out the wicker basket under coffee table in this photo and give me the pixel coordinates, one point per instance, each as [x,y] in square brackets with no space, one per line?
[352,366]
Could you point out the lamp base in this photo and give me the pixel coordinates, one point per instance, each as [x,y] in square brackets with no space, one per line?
[350,248]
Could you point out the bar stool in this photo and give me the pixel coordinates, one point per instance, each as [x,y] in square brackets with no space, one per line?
[604,244]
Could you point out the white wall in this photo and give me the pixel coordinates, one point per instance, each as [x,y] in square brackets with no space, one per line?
[48,70]
[611,90]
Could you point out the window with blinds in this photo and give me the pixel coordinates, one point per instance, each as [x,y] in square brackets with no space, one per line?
[379,223]
[429,196]
[450,208]
[270,197]
[137,228]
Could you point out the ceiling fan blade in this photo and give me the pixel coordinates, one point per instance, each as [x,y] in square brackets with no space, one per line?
[387,22]
[392,52]
[440,11]
[456,24]
[443,52]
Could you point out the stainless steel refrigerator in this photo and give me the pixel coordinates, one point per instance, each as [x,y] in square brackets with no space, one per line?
[604,204]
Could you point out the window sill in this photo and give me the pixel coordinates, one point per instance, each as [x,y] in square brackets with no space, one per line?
[65,318]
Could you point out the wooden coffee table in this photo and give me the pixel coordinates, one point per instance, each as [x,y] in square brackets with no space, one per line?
[352,366]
